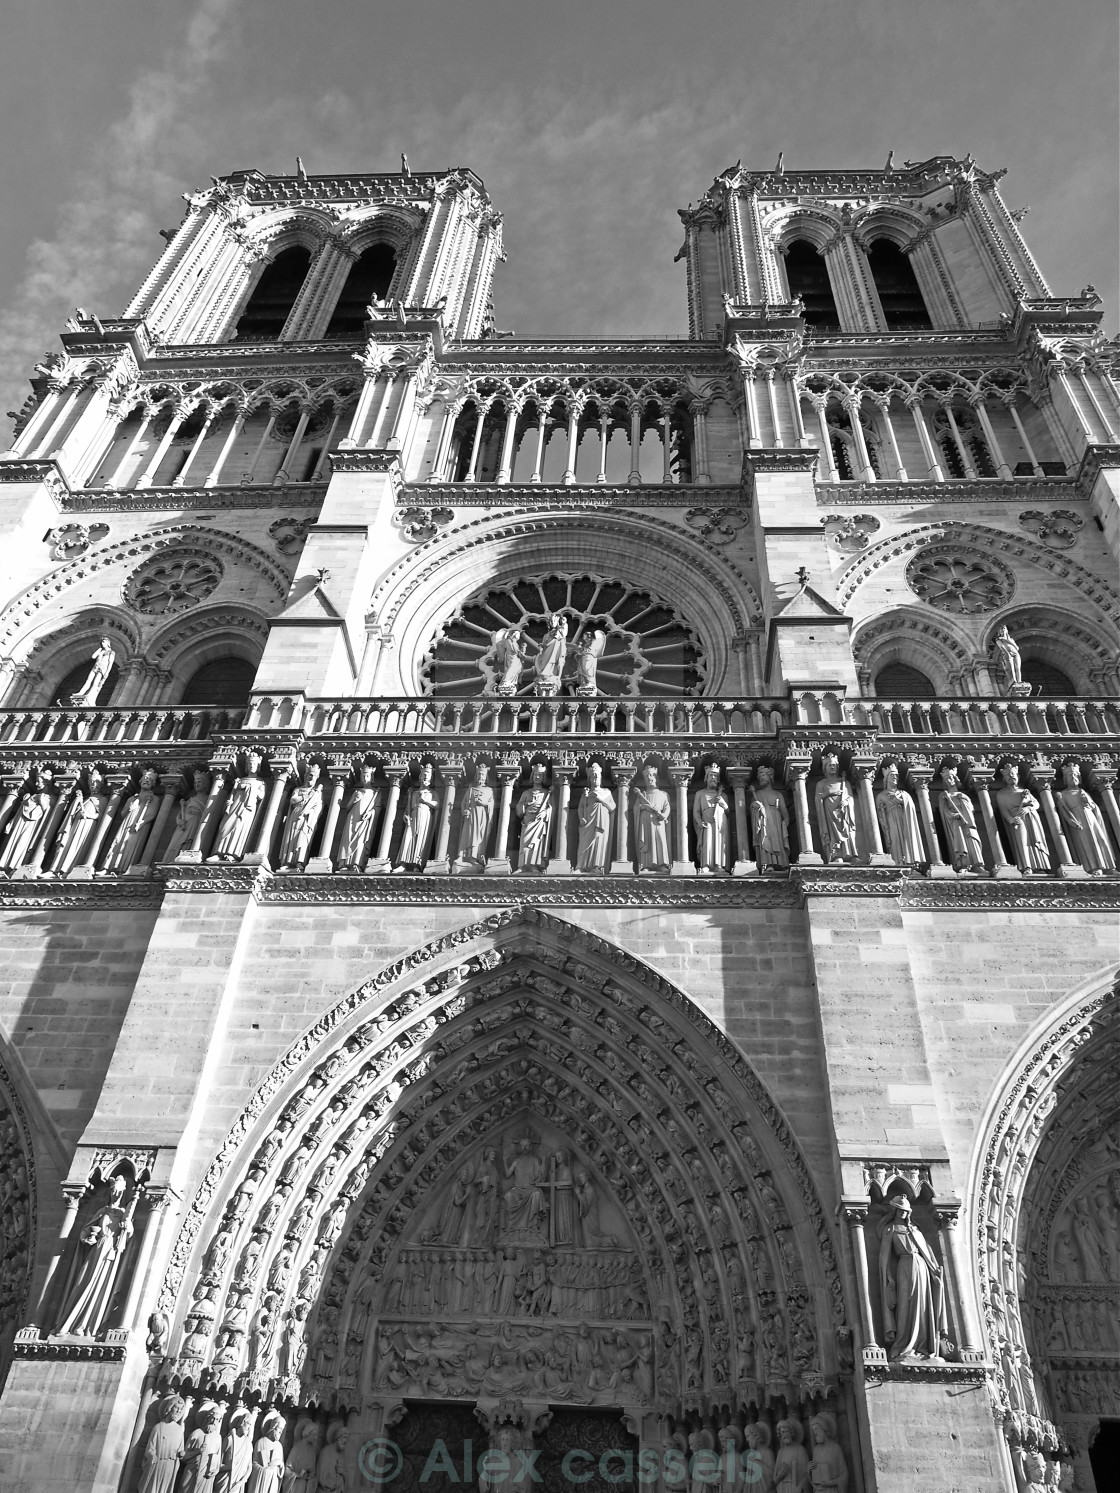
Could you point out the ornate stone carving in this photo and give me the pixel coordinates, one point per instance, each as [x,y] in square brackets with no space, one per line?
[1057,528]
[718,526]
[289,534]
[911,1287]
[163,1451]
[711,819]
[419,524]
[133,827]
[304,810]
[245,798]
[419,823]
[1084,824]
[1005,652]
[359,817]
[959,581]
[97,1262]
[850,533]
[1018,809]
[68,541]
[596,817]
[188,815]
[474,825]
[548,666]
[651,824]
[769,816]
[966,853]
[534,809]
[29,820]
[172,582]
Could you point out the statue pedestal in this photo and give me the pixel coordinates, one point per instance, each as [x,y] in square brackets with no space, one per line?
[1020,691]
[875,859]
[1007,873]
[621,868]
[745,868]
[682,868]
[378,868]
[80,873]
[500,866]
[438,868]
[320,866]
[558,866]
[1073,873]
[942,873]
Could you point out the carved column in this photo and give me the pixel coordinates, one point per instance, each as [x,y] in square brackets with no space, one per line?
[830,474]
[635,477]
[888,426]
[933,467]
[158,1198]
[12,781]
[682,866]
[261,853]
[852,406]
[450,771]
[538,460]
[797,774]
[130,450]
[322,865]
[213,477]
[560,864]
[283,473]
[472,465]
[962,450]
[499,863]
[794,394]
[171,783]
[970,1341]
[151,467]
[855,1214]
[981,780]
[395,772]
[1002,468]
[920,776]
[505,466]
[743,865]
[1102,775]
[1042,776]
[701,464]
[266,436]
[622,864]
[1023,437]
[83,871]
[754,437]
[604,422]
[64,785]
[180,478]
[865,769]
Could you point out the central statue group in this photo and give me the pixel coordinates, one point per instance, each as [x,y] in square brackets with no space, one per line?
[512,650]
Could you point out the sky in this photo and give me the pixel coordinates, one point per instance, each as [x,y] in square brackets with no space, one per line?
[590,123]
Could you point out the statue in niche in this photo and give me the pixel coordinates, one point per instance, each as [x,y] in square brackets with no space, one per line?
[828,1470]
[453,1219]
[159,1465]
[769,823]
[304,809]
[510,656]
[133,828]
[758,1462]
[101,666]
[836,812]
[202,1457]
[474,826]
[237,1453]
[79,824]
[359,815]
[101,1246]
[548,666]
[419,824]
[1005,650]
[562,1193]
[966,854]
[791,1465]
[267,1471]
[711,819]
[1084,823]
[730,1440]
[523,1201]
[188,815]
[245,799]
[595,813]
[534,809]
[898,819]
[912,1288]
[589,648]
[1018,808]
[651,821]
[264,1334]
[29,819]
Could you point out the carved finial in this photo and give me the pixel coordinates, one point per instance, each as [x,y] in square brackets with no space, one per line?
[778,169]
[1019,213]
[404,165]
[300,172]
[167,234]
[803,575]
[890,161]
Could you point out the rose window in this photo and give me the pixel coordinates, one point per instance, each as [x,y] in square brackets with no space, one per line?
[640,646]
[958,582]
[172,582]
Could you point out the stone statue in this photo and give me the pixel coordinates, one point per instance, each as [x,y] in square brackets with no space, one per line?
[245,799]
[791,1465]
[100,667]
[510,656]
[159,1465]
[237,1453]
[563,1223]
[595,815]
[523,1201]
[188,816]
[101,1245]
[828,1470]
[133,827]
[1018,808]
[589,648]
[534,809]
[202,1458]
[419,824]
[966,854]
[1084,823]
[28,820]
[1007,655]
[79,825]
[359,816]
[587,1203]
[330,1473]
[769,823]
[836,812]
[548,666]
[474,825]
[911,1284]
[651,824]
[898,819]
[453,1218]
[268,1456]
[758,1462]
[304,808]
[711,819]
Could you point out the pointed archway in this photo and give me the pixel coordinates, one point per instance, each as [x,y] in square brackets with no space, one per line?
[516,1166]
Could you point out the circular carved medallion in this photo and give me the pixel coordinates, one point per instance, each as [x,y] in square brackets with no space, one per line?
[172,582]
[957,581]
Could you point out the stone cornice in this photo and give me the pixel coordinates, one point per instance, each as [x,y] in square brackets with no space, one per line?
[760,460]
[307,495]
[368,460]
[953,490]
[1097,459]
[39,469]
[522,496]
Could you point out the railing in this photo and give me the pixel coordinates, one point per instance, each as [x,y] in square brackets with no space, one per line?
[969,718]
[115,724]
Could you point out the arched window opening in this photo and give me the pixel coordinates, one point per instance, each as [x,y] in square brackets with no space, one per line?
[223,681]
[899,293]
[369,280]
[808,278]
[964,451]
[903,682]
[275,294]
[78,675]
[1047,679]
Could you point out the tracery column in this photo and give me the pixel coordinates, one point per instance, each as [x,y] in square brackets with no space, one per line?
[852,405]
[130,450]
[962,450]
[261,853]
[500,863]
[266,436]
[604,421]
[472,465]
[794,395]
[797,774]
[1022,434]
[560,864]
[152,465]
[538,461]
[439,471]
[181,477]
[743,864]
[321,864]
[214,476]
[981,780]
[772,400]
[1042,776]
[933,466]
[754,437]
[682,866]
[819,403]
[666,453]
[283,474]
[702,474]
[622,865]
[635,477]
[1106,423]
[977,403]
[573,445]
[865,770]
[505,466]
[888,426]
[920,777]
[856,1216]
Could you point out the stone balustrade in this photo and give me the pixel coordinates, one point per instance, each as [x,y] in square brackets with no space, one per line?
[107,724]
[995,717]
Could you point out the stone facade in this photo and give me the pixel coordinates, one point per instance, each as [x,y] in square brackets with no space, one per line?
[559,897]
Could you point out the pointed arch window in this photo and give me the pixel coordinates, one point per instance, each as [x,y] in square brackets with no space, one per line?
[369,279]
[900,295]
[274,295]
[807,275]
[222,681]
[903,682]
[1048,680]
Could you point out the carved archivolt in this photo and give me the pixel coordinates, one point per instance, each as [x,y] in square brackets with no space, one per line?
[522,1036]
[907,635]
[17,1216]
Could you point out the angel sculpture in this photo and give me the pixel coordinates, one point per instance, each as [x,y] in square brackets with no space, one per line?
[588,649]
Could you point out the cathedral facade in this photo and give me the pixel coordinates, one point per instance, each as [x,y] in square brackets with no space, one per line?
[559,896]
